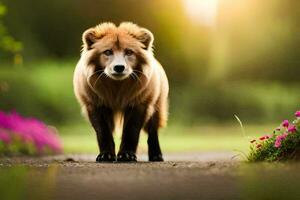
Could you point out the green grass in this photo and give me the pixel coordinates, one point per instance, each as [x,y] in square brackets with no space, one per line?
[80,138]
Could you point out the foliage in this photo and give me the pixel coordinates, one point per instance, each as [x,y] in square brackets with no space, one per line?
[190,52]
[283,144]
[19,135]
[253,66]
[7,42]
[44,92]
[214,72]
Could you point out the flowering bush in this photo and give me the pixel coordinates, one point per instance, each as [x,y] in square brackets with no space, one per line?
[282,144]
[19,135]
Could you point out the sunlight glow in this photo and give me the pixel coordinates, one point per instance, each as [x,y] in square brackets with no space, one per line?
[202,11]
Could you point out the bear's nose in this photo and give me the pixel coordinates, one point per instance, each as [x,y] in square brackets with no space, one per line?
[119,68]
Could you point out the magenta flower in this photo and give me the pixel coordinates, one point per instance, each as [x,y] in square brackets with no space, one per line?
[285,123]
[277,144]
[279,139]
[292,129]
[30,130]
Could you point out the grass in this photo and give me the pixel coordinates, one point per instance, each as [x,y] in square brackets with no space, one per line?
[80,138]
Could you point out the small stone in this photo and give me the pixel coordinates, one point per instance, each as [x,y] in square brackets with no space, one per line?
[69,160]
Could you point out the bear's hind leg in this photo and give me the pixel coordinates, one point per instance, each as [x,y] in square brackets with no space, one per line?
[154,151]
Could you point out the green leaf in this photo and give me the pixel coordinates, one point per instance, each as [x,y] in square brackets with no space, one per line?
[2,10]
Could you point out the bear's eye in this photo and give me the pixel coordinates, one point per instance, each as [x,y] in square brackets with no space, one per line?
[128,52]
[108,52]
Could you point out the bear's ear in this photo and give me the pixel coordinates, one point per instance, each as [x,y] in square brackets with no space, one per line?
[89,38]
[146,38]
[141,34]
[92,35]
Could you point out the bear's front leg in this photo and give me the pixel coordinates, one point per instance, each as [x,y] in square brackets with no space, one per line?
[102,120]
[134,118]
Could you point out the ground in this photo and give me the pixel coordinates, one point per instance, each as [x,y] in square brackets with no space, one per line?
[209,175]
[204,162]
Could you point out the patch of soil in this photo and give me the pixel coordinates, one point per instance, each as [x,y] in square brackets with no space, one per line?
[182,176]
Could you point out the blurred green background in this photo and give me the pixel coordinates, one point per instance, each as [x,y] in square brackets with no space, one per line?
[222,57]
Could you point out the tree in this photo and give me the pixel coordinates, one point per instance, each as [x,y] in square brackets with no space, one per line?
[7,43]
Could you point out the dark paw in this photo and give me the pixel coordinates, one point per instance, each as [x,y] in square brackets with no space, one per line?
[106,157]
[126,157]
[156,158]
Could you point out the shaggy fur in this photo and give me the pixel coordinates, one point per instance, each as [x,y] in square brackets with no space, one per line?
[141,95]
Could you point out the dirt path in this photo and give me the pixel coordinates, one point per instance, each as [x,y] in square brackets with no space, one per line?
[182,176]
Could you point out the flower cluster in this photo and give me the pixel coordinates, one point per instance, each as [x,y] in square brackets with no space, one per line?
[287,129]
[26,135]
[282,144]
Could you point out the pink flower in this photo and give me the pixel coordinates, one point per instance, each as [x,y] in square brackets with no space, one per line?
[292,129]
[279,139]
[258,146]
[31,130]
[285,123]
[297,114]
[277,144]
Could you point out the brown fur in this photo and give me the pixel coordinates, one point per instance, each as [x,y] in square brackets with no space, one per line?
[148,89]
